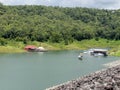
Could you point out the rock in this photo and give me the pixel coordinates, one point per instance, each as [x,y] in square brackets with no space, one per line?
[108,79]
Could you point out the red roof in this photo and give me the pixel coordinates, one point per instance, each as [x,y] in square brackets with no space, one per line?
[30,47]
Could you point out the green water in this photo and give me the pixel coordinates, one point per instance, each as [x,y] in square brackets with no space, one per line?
[37,71]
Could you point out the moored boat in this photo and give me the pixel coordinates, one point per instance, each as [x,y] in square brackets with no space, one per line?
[32,48]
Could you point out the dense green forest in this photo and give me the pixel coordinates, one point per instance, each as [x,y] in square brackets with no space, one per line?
[57,24]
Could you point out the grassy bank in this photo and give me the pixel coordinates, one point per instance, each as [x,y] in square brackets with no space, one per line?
[15,47]
[10,49]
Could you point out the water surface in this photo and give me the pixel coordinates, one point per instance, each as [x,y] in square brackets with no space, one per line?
[37,71]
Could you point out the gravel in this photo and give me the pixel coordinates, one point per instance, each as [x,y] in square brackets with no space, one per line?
[107,79]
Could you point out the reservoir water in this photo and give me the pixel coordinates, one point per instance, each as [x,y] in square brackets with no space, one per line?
[38,71]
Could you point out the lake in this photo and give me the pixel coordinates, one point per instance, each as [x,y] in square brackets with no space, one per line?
[37,71]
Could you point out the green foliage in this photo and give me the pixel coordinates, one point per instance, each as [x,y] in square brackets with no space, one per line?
[3,41]
[56,25]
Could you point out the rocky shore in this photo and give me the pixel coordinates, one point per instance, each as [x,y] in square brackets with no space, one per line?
[113,64]
[107,79]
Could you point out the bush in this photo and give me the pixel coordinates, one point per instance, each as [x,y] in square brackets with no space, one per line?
[3,41]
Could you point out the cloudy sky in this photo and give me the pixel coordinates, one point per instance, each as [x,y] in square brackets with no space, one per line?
[106,4]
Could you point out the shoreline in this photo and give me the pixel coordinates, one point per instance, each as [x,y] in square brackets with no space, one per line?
[16,47]
[112,64]
[108,78]
[10,49]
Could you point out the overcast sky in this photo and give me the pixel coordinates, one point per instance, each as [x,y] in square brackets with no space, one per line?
[104,4]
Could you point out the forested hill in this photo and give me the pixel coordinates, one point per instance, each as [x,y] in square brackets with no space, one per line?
[56,24]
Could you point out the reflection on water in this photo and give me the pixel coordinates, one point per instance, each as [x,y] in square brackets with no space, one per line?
[37,71]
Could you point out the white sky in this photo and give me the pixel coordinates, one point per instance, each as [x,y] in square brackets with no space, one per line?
[106,4]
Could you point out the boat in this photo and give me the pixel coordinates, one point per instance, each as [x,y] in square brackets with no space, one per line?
[40,49]
[32,48]
[80,56]
[98,52]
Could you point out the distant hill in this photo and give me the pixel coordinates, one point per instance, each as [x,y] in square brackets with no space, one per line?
[57,24]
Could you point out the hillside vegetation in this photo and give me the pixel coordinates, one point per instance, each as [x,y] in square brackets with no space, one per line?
[56,24]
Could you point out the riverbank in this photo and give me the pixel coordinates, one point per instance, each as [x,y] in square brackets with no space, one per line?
[107,79]
[10,49]
[13,46]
